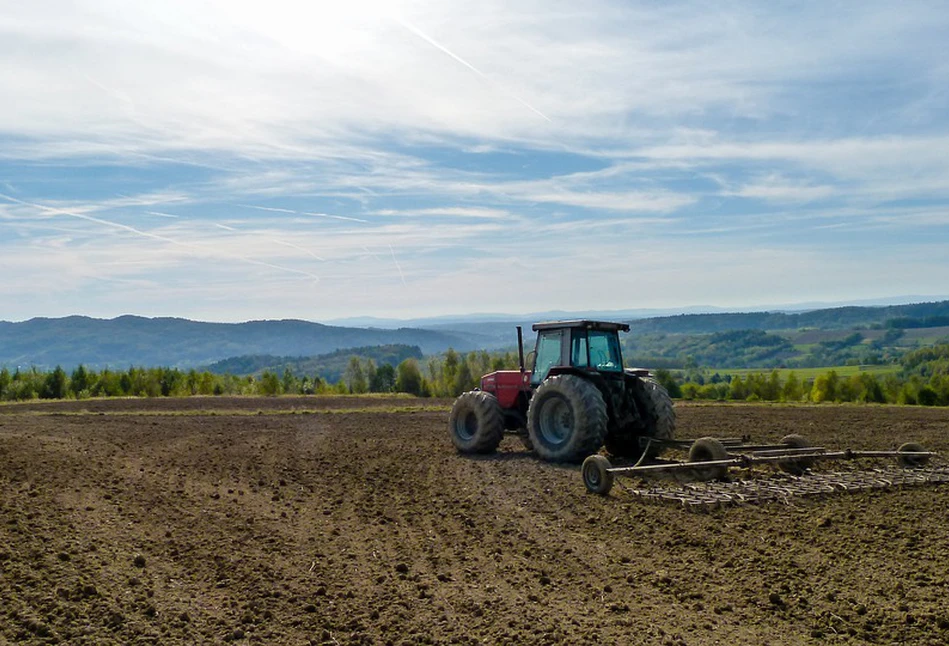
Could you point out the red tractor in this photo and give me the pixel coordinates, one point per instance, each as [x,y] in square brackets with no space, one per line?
[575,397]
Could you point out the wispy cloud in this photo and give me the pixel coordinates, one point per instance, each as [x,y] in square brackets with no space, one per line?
[219,151]
[116,226]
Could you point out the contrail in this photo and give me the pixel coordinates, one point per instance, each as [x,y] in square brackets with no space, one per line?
[401,275]
[162,215]
[431,41]
[266,208]
[153,236]
[374,256]
[293,246]
[318,215]
[274,241]
[334,217]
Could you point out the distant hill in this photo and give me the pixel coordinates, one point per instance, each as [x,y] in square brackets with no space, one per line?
[180,343]
[134,340]
[329,366]
[838,318]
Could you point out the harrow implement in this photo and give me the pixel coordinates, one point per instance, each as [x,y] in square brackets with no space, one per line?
[783,488]
[709,460]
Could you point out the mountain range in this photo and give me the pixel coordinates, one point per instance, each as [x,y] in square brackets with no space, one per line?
[173,342]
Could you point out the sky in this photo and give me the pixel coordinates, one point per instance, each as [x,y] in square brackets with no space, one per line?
[227,160]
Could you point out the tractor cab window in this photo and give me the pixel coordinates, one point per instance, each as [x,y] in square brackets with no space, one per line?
[549,343]
[578,350]
[605,353]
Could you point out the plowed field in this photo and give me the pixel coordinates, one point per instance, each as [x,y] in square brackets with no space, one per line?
[353,521]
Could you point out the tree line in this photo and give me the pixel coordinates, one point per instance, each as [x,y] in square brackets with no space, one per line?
[924,380]
[445,375]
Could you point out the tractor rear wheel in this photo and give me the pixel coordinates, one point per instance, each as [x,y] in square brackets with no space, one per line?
[475,423]
[566,419]
[657,420]
[661,422]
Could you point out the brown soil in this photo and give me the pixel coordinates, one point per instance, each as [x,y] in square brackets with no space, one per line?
[269,521]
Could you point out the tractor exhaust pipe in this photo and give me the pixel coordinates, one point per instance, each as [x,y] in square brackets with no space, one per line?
[520,348]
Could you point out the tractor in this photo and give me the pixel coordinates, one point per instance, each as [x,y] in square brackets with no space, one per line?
[575,397]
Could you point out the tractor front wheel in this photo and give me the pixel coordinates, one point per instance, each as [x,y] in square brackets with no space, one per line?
[475,423]
[566,419]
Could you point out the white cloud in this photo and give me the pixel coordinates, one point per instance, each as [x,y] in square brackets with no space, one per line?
[281,78]
[775,188]
[226,153]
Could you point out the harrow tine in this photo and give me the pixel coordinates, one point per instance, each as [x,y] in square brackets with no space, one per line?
[784,489]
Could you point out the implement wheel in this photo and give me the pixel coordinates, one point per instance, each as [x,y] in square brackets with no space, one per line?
[708,449]
[912,461]
[796,466]
[595,475]
[566,419]
[475,423]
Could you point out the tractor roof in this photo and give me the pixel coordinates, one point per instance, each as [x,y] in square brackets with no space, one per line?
[590,325]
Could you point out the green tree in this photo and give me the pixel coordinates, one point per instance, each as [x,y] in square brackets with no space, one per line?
[866,388]
[464,380]
[409,378]
[383,381]
[927,396]
[289,384]
[108,384]
[793,389]
[371,371]
[737,390]
[80,382]
[269,384]
[206,383]
[446,386]
[171,382]
[355,377]
[25,385]
[55,385]
[668,381]
[5,380]
[688,390]
[825,387]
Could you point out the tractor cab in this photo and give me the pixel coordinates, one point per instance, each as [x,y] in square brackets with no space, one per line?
[591,346]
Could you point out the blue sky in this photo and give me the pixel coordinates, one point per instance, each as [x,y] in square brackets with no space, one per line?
[230,160]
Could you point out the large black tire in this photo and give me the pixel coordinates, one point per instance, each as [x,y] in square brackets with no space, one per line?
[660,416]
[566,419]
[658,421]
[708,449]
[475,423]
